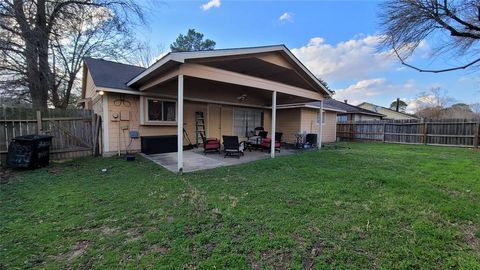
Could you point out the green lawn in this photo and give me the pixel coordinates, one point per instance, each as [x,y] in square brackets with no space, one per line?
[362,206]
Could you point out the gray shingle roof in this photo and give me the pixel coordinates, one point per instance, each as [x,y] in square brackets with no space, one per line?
[338,105]
[111,74]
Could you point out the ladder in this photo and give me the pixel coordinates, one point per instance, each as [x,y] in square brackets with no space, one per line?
[200,132]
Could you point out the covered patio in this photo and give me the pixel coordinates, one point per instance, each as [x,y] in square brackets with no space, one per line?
[256,78]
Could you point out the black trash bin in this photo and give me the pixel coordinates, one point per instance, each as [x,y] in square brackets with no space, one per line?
[30,151]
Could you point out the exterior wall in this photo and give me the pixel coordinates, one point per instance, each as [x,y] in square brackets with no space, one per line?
[288,122]
[292,121]
[117,134]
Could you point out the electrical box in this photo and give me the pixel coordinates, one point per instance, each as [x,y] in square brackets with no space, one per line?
[124,115]
[133,134]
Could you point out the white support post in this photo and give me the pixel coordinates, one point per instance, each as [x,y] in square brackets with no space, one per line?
[320,126]
[274,120]
[180,126]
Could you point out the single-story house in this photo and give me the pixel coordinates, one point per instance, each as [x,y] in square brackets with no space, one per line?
[389,113]
[231,91]
[348,112]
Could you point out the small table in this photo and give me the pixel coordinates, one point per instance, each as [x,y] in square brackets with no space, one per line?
[299,138]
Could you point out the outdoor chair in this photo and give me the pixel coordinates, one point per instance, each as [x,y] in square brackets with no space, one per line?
[232,147]
[256,141]
[267,142]
[210,145]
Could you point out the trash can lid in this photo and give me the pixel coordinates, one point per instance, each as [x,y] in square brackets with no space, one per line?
[32,137]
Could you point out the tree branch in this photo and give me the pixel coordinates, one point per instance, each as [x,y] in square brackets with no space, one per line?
[434,70]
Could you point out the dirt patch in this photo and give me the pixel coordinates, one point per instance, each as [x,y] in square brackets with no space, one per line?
[78,250]
[315,250]
[133,235]
[107,231]
[277,259]
[160,249]
[471,232]
[5,175]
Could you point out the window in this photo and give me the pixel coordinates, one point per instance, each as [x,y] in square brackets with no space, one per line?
[161,110]
[323,118]
[342,118]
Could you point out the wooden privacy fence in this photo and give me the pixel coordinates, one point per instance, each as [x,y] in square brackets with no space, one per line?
[75,132]
[448,132]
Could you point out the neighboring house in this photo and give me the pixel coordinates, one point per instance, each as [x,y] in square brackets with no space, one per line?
[350,112]
[235,89]
[389,113]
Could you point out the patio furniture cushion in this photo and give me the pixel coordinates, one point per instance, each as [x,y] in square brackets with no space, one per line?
[266,143]
[210,144]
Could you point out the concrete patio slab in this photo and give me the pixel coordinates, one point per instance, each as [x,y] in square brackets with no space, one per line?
[196,160]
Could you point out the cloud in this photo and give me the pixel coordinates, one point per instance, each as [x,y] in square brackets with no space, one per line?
[354,59]
[365,90]
[210,4]
[286,17]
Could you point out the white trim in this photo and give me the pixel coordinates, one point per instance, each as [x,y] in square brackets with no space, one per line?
[142,110]
[148,121]
[105,123]
[180,125]
[274,120]
[320,129]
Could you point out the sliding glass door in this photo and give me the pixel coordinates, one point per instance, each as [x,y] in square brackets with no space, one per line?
[245,121]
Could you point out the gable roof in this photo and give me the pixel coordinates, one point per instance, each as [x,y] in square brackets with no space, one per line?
[348,108]
[388,109]
[110,74]
[181,57]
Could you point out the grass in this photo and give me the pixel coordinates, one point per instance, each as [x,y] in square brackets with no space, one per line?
[361,206]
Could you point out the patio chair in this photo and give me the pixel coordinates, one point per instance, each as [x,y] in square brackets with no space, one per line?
[255,142]
[267,142]
[210,145]
[232,147]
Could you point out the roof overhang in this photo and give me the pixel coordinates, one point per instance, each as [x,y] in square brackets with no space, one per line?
[181,57]
[300,105]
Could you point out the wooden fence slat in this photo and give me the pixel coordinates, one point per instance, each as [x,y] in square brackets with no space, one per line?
[450,132]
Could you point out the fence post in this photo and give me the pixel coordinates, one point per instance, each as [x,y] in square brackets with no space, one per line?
[477,135]
[425,132]
[383,135]
[38,127]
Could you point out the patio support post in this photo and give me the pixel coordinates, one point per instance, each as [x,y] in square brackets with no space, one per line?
[274,120]
[180,126]
[320,126]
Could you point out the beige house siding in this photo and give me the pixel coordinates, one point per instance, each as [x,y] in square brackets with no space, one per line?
[364,117]
[117,136]
[292,121]
[288,122]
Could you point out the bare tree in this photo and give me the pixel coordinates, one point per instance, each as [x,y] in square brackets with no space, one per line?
[42,42]
[406,23]
[432,103]
[145,55]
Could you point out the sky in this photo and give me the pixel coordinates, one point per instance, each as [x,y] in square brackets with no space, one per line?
[337,40]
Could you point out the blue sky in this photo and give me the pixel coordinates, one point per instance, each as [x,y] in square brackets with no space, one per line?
[336,40]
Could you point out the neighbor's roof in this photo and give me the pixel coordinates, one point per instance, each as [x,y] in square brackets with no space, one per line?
[388,109]
[180,57]
[348,108]
[110,74]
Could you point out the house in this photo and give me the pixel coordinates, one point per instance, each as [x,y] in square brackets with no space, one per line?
[232,90]
[389,113]
[348,112]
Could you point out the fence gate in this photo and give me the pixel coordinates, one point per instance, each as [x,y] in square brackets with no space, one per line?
[75,132]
